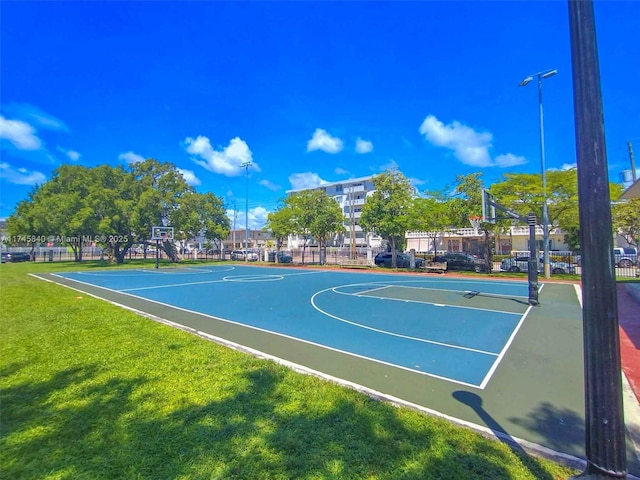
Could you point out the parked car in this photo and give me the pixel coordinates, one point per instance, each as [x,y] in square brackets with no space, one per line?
[244,254]
[462,261]
[625,257]
[15,257]
[282,257]
[521,264]
[403,260]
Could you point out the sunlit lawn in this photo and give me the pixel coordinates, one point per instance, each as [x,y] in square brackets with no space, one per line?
[91,391]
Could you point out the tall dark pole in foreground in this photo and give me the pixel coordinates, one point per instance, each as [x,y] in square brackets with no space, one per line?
[605,434]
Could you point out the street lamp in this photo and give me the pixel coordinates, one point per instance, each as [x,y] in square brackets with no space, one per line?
[545,212]
[246,166]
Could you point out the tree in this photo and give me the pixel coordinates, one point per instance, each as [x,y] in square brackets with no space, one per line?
[625,216]
[200,214]
[522,193]
[312,214]
[387,211]
[429,215]
[327,219]
[281,224]
[116,208]
[159,186]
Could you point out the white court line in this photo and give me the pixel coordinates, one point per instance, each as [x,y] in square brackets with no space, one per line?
[366,292]
[465,291]
[227,279]
[171,285]
[393,334]
[507,345]
[415,301]
[232,322]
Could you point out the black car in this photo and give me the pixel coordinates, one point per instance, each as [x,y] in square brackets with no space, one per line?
[15,257]
[282,257]
[403,260]
[462,261]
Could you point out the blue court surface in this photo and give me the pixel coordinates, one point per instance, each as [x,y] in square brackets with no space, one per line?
[454,329]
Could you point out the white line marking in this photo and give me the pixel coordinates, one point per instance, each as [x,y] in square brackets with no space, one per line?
[393,334]
[164,286]
[504,349]
[364,294]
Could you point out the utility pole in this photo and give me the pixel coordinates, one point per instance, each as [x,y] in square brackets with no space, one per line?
[235,217]
[633,163]
[353,225]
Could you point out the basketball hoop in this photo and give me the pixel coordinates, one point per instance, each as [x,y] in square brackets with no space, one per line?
[475,221]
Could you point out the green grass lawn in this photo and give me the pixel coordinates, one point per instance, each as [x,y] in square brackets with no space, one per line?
[92,391]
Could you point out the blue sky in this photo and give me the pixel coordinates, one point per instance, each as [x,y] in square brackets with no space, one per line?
[309,92]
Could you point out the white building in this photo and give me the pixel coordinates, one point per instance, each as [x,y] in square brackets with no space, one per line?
[470,240]
[350,195]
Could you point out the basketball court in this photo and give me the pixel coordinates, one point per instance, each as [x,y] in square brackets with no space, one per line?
[472,350]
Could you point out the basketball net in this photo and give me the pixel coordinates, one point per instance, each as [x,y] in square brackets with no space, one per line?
[475,221]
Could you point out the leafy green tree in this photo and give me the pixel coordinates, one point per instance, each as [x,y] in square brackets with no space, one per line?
[281,224]
[313,214]
[160,186]
[523,193]
[117,208]
[431,216]
[387,211]
[327,219]
[200,214]
[625,216]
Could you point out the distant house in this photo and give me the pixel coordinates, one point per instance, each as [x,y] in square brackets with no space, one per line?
[472,241]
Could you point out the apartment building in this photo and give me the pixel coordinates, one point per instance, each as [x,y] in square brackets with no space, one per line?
[351,195]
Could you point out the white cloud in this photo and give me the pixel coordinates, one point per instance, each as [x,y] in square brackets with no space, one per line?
[468,146]
[257,218]
[131,157]
[71,154]
[509,160]
[21,176]
[341,171]
[227,161]
[390,165]
[189,177]
[568,166]
[20,134]
[363,146]
[305,180]
[270,185]
[322,140]
[35,116]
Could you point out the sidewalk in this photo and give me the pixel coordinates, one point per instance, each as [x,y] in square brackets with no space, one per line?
[629,320]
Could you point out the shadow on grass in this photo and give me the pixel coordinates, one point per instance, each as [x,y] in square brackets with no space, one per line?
[72,426]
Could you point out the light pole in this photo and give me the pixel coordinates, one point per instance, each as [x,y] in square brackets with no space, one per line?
[246,166]
[545,212]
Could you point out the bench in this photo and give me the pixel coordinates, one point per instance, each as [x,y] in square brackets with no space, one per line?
[434,267]
[358,263]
